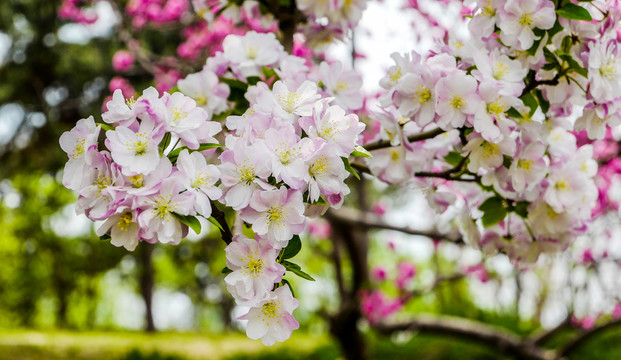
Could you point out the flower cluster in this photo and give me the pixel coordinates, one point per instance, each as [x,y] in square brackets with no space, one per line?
[141,194]
[506,112]
[283,158]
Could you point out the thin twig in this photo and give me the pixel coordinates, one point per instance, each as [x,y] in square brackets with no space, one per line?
[362,219]
[382,144]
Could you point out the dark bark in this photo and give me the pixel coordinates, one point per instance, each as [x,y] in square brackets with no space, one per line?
[147,283]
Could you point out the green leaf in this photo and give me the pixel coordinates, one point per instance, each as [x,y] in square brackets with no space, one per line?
[296,269]
[514,113]
[269,73]
[165,141]
[105,237]
[361,152]
[453,158]
[349,168]
[226,270]
[215,223]
[574,65]
[174,90]
[293,248]
[494,211]
[545,105]
[253,80]
[530,101]
[566,44]
[493,217]
[202,147]
[554,30]
[105,127]
[491,204]
[574,12]
[190,221]
[533,49]
[521,208]
[506,161]
[235,84]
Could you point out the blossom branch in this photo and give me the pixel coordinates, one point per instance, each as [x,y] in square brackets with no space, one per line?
[225,230]
[382,144]
[361,219]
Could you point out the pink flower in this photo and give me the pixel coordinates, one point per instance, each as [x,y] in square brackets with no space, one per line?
[122,61]
[378,273]
[376,307]
[255,269]
[76,143]
[319,228]
[406,272]
[276,214]
[272,319]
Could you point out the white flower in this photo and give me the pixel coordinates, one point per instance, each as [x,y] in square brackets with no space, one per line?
[206,90]
[249,53]
[272,319]
[255,269]
[520,17]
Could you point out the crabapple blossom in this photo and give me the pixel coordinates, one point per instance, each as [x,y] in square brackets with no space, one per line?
[276,214]
[250,52]
[206,90]
[122,227]
[271,319]
[344,86]
[254,266]
[457,98]
[243,171]
[76,143]
[156,219]
[333,125]
[119,111]
[199,178]
[136,152]
[518,18]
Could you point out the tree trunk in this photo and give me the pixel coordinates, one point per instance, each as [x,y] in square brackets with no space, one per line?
[146,284]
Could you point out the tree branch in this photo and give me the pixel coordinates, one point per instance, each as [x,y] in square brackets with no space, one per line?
[496,337]
[579,340]
[225,230]
[361,219]
[412,138]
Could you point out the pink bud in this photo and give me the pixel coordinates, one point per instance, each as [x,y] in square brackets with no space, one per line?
[378,274]
[122,61]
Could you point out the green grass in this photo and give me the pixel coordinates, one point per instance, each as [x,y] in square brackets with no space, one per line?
[34,345]
[57,345]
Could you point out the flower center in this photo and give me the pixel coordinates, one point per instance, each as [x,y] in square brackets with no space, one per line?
[246,174]
[609,70]
[137,180]
[270,309]
[457,102]
[490,150]
[527,165]
[275,215]
[422,94]
[79,148]
[319,167]
[290,101]
[124,221]
[500,70]
[526,20]
[164,206]
[254,265]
